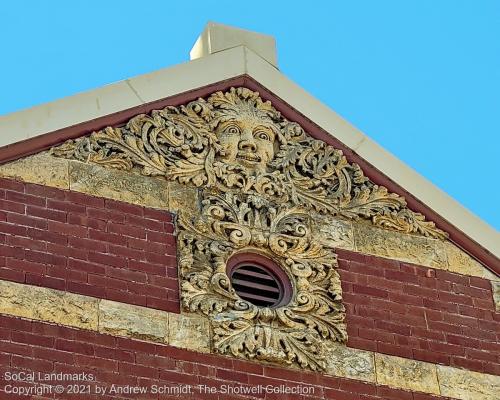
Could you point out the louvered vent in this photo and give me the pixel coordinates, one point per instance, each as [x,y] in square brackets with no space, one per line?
[256,285]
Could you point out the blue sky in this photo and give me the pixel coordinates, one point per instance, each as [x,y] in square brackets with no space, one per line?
[421,77]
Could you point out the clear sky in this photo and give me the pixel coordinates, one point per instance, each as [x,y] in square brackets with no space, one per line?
[421,77]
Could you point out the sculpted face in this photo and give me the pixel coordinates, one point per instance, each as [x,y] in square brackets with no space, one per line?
[247,141]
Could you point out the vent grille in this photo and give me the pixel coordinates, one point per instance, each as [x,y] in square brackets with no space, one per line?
[256,285]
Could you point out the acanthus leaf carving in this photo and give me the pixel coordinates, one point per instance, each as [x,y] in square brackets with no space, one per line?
[198,144]
[264,185]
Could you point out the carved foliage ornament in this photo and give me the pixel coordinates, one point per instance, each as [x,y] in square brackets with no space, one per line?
[264,181]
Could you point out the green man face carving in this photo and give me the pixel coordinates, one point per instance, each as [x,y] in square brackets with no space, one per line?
[248,141]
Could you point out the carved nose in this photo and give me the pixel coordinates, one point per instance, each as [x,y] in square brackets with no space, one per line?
[247,145]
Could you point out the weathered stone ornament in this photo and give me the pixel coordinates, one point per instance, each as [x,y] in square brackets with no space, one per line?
[263,181]
[235,141]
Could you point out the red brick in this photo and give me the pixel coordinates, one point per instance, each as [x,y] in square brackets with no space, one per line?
[125,297]
[67,229]
[147,267]
[12,184]
[472,291]
[159,215]
[25,266]
[168,228]
[126,252]
[489,326]
[77,276]
[26,243]
[479,334]
[467,363]
[493,369]
[46,236]
[12,251]
[87,290]
[357,387]
[486,304]
[32,364]
[45,258]
[145,223]
[420,291]
[45,213]
[45,191]
[387,393]
[88,244]
[448,349]
[444,327]
[460,320]
[431,356]
[66,206]
[481,355]
[162,304]
[389,348]
[126,230]
[106,282]
[131,276]
[23,198]
[66,251]
[452,277]
[105,215]
[20,219]
[74,346]
[80,198]
[12,275]
[155,361]
[442,304]
[12,206]
[400,276]
[45,281]
[137,370]
[358,289]
[107,259]
[393,328]
[107,237]
[16,348]
[96,363]
[36,340]
[94,223]
[123,207]
[53,355]
[86,266]
[405,299]
[13,229]
[480,283]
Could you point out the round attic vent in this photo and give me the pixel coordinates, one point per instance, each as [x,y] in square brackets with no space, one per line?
[259,281]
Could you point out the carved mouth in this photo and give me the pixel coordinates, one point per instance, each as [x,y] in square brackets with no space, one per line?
[248,157]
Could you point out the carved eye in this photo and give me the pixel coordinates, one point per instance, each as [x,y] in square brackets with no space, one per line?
[232,129]
[263,136]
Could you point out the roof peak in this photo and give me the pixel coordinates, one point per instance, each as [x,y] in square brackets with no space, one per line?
[217,37]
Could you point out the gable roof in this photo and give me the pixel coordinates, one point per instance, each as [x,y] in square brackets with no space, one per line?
[30,131]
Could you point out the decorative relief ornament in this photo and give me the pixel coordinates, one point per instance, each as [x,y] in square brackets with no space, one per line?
[268,188]
[235,141]
[236,223]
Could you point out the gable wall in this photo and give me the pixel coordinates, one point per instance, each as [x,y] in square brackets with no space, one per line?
[415,312]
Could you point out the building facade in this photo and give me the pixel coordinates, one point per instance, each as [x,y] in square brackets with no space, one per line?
[210,231]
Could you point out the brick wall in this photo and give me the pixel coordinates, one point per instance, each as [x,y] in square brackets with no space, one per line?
[113,250]
[45,348]
[83,244]
[421,313]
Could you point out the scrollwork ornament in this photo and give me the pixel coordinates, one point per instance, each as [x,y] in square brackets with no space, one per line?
[294,333]
[264,183]
[236,141]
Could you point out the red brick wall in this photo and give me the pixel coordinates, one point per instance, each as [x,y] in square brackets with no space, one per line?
[108,249]
[421,313]
[36,346]
[87,245]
